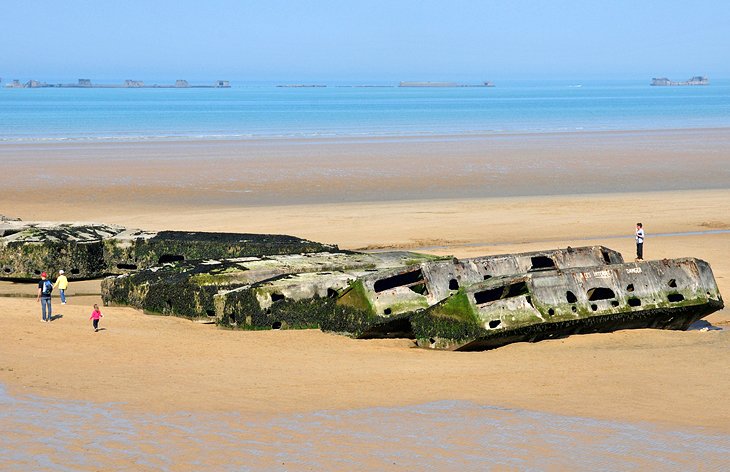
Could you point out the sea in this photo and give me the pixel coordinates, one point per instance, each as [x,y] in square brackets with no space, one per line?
[262,111]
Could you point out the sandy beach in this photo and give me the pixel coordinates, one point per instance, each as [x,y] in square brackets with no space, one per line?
[482,196]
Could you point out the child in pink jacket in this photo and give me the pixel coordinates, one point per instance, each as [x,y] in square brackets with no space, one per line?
[95,315]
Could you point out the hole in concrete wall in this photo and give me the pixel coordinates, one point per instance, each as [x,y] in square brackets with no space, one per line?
[453,284]
[630,288]
[387,311]
[487,276]
[407,278]
[542,263]
[515,290]
[675,297]
[75,271]
[709,294]
[165,258]
[210,313]
[551,312]
[570,296]
[512,290]
[634,302]
[127,266]
[574,308]
[486,296]
[331,293]
[276,325]
[419,288]
[606,257]
[431,341]
[672,283]
[600,293]
[614,302]
[529,300]
[594,307]
[495,323]
[276,297]
[8,270]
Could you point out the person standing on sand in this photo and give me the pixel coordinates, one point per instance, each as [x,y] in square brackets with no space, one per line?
[62,284]
[45,287]
[639,242]
[95,315]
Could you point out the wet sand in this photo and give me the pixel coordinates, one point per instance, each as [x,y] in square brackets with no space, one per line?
[161,365]
[314,171]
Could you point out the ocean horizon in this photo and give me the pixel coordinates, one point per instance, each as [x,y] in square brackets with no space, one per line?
[352,110]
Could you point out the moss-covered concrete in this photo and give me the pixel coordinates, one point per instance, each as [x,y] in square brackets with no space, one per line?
[138,250]
[669,294]
[28,249]
[187,288]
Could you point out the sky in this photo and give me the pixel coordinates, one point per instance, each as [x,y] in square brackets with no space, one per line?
[365,41]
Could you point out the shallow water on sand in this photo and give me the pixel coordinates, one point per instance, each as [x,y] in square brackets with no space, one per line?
[45,434]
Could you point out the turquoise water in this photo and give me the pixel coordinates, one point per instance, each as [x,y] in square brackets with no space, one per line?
[46,434]
[246,112]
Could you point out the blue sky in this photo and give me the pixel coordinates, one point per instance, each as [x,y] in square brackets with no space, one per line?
[363,41]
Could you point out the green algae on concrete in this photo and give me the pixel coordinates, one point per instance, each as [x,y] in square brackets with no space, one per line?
[27,249]
[669,294]
[134,249]
[407,290]
[186,288]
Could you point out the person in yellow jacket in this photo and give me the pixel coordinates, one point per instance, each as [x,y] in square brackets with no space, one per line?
[62,284]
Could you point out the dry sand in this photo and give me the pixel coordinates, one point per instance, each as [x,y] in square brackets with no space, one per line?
[167,364]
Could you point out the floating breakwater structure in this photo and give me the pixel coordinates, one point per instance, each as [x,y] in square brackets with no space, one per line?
[86,83]
[254,281]
[665,82]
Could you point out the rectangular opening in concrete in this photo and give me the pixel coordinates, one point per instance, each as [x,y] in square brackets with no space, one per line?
[406,279]
[542,263]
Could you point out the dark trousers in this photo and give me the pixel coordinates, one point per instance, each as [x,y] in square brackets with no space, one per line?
[639,250]
[96,324]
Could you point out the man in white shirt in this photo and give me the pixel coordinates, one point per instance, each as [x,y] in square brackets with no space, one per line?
[639,242]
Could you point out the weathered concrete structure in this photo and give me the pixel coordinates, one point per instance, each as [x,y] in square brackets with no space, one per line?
[259,281]
[402,291]
[91,250]
[135,249]
[379,303]
[186,288]
[27,249]
[668,294]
